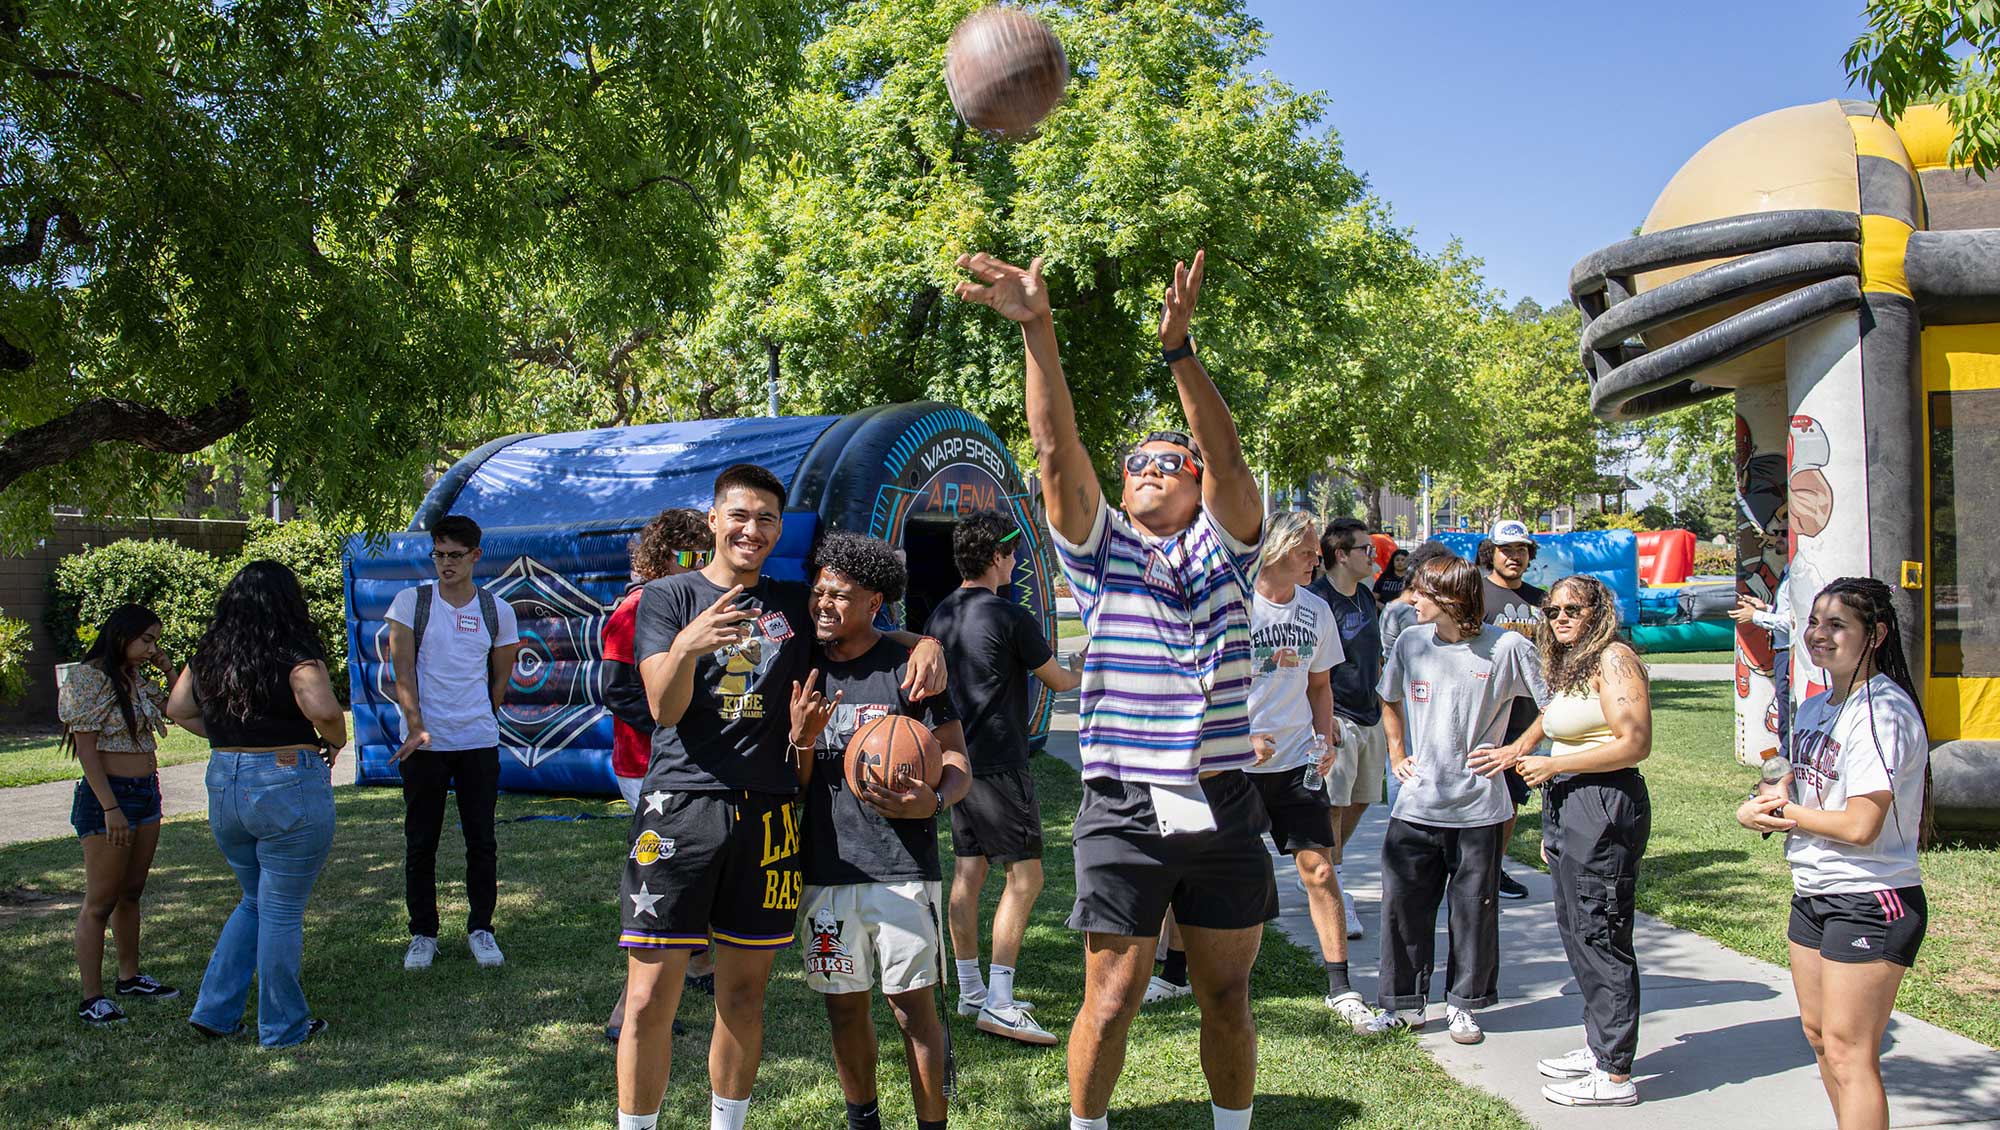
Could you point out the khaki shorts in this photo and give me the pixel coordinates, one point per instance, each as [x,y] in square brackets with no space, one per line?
[1358,773]
[853,930]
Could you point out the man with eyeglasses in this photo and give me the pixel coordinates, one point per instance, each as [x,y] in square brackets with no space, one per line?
[1511,605]
[452,646]
[1358,777]
[1169,818]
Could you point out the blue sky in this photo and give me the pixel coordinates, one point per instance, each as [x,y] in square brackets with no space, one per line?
[1538,132]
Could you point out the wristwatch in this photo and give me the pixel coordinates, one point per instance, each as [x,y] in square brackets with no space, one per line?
[1181,352]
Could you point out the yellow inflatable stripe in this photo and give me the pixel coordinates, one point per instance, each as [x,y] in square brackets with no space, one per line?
[1961,358]
[1967,709]
[1874,138]
[1883,243]
[1926,133]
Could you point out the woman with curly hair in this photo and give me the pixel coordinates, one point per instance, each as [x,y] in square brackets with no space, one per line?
[258,690]
[1596,817]
[111,720]
[1853,815]
[1447,688]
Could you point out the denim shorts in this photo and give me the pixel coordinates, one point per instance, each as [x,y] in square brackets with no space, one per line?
[139,797]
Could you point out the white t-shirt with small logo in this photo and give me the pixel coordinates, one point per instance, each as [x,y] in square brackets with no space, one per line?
[452,687]
[1288,642]
[1872,743]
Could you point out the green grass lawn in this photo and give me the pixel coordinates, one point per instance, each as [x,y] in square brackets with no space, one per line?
[1704,872]
[32,759]
[523,1045]
[1690,657]
[1068,627]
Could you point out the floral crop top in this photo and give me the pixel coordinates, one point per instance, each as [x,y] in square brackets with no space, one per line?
[88,704]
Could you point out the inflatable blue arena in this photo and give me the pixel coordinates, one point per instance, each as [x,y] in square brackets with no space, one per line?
[557,513]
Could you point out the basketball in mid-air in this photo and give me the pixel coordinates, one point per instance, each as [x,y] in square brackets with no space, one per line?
[879,747]
[1005,70]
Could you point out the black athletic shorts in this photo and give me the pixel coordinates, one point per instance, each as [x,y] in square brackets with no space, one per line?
[701,863]
[999,819]
[1128,874]
[1300,817]
[1517,787]
[1868,926]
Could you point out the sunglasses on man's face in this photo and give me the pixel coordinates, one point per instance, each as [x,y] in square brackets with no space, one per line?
[1558,611]
[1169,462]
[691,558]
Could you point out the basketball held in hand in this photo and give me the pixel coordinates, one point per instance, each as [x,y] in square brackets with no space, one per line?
[1005,70]
[883,747]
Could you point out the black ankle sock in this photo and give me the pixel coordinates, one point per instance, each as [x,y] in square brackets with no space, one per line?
[864,1116]
[1175,972]
[1336,979]
[926,1124]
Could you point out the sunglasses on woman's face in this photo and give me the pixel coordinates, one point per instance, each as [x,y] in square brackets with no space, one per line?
[1558,611]
[691,558]
[1169,462]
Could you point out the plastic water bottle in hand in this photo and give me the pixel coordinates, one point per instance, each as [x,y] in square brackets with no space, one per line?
[1313,780]
[1775,777]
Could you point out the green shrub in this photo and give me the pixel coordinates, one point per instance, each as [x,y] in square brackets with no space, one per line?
[1610,520]
[13,659]
[313,552]
[179,584]
[1711,560]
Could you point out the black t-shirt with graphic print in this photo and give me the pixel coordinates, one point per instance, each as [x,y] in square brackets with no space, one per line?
[847,841]
[737,729]
[1515,610]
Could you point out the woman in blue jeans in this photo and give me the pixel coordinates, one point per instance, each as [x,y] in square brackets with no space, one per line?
[257,688]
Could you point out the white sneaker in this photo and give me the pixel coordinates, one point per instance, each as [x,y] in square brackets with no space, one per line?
[1364,1020]
[1594,1089]
[1569,1065]
[1014,1024]
[1160,989]
[1413,1018]
[485,950]
[421,952]
[969,1006]
[1464,1029]
[1353,919]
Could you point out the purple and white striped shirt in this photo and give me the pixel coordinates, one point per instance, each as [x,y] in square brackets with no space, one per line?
[1166,682]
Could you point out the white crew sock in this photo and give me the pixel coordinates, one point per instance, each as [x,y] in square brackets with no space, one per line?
[1000,986]
[1232,1119]
[970,983]
[728,1114]
[638,1121]
[1078,1122]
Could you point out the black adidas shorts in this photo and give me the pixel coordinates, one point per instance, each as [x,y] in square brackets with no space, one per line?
[1300,817]
[701,863]
[1868,926]
[1128,874]
[999,819]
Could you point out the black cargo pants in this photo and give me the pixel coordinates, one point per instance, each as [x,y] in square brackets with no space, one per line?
[1594,829]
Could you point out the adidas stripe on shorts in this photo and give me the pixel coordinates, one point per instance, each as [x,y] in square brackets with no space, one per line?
[1886,925]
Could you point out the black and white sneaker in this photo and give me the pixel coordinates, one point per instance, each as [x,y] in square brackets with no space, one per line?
[314,1027]
[1511,888]
[144,986]
[99,1012]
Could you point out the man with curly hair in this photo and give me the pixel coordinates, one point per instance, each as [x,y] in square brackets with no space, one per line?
[676,541]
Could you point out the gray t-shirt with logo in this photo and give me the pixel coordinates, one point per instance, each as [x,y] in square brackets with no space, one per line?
[1455,697]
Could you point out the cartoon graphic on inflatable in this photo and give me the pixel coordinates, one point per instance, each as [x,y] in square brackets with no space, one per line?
[1835,275]
[557,512]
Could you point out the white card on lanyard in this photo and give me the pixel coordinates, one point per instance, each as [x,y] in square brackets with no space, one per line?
[1182,809]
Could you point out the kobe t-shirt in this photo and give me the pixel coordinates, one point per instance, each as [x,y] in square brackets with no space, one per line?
[847,841]
[735,733]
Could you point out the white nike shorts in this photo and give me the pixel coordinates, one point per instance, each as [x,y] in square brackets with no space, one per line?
[855,932]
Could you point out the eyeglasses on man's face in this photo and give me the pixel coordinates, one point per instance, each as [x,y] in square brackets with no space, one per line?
[451,554]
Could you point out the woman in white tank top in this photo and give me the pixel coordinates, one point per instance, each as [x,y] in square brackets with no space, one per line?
[1596,817]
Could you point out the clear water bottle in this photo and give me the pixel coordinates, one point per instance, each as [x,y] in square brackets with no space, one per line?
[1312,780]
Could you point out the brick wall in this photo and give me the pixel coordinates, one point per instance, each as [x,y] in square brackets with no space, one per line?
[24,585]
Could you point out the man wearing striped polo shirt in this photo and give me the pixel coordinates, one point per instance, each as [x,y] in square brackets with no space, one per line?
[1168,818]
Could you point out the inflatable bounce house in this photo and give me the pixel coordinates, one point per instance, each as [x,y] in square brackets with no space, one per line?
[557,513]
[1835,276]
[1612,556]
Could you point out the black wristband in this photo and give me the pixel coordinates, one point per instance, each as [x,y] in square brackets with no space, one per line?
[1181,352]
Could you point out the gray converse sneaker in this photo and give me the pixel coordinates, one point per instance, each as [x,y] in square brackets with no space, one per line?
[1464,1029]
[423,950]
[485,950]
[1594,1089]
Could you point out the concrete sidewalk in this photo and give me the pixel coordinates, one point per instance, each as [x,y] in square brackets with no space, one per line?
[1719,1042]
[41,812]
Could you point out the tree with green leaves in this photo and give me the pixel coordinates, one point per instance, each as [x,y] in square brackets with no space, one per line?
[1691,462]
[839,256]
[1918,51]
[323,231]
[1535,443]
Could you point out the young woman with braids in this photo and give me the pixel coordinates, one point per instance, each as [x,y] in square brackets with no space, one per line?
[1596,817]
[110,712]
[1852,817]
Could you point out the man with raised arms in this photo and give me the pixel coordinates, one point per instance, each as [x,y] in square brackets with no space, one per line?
[723,652]
[1168,818]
